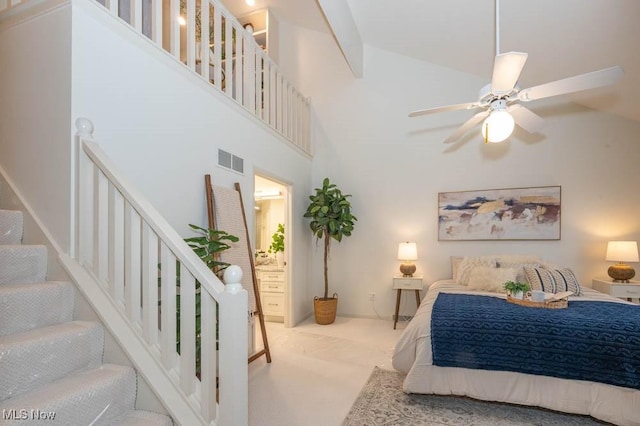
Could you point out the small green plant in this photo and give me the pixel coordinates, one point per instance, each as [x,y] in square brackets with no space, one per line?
[277,240]
[513,287]
[206,245]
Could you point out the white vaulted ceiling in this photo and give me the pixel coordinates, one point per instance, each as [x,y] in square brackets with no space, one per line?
[562,37]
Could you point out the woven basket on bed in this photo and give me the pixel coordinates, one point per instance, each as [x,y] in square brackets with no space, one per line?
[550,304]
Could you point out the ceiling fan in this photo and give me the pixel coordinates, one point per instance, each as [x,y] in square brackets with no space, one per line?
[499,99]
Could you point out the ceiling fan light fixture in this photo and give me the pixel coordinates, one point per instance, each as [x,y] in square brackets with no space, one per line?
[498,126]
[499,121]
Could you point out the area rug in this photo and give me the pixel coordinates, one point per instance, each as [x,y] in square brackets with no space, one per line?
[382,402]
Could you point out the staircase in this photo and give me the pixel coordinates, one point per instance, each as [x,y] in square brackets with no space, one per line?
[50,364]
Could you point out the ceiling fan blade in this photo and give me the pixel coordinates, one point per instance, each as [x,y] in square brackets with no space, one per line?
[506,71]
[468,105]
[576,83]
[526,118]
[468,125]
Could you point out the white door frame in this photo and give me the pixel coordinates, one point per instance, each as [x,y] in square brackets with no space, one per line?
[288,311]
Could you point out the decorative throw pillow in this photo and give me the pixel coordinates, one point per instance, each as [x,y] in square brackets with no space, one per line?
[468,263]
[553,280]
[486,278]
[519,267]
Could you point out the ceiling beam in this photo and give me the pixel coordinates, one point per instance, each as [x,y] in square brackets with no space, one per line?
[338,16]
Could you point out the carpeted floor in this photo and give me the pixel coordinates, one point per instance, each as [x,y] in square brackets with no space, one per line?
[382,402]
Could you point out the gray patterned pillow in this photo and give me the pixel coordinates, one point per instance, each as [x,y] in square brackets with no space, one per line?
[553,280]
[519,267]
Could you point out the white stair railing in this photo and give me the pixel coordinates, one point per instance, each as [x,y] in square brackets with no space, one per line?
[148,290]
[223,53]
[238,67]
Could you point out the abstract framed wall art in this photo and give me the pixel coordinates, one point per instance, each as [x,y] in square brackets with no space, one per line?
[500,214]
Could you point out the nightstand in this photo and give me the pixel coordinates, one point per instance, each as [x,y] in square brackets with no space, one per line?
[406,283]
[627,291]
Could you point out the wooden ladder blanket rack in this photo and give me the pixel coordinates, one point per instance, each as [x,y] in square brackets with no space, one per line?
[228,213]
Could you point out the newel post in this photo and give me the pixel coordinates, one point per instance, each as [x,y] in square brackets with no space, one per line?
[80,216]
[234,379]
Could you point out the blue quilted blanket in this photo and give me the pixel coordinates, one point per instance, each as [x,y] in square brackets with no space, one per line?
[594,341]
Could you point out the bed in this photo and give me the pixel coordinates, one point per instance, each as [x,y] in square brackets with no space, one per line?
[617,402]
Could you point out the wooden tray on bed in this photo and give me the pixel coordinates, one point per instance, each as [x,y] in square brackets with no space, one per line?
[549,304]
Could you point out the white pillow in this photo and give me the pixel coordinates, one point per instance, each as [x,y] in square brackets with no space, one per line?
[490,279]
[519,267]
[468,263]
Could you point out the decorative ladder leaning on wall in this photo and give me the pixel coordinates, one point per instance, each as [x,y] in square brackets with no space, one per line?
[239,68]
[141,278]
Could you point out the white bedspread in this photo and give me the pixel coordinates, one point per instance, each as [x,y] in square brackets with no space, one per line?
[413,356]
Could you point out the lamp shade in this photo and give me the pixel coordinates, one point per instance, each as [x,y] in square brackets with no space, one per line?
[407,251]
[622,251]
[499,125]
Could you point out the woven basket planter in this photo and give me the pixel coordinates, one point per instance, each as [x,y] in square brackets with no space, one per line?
[325,309]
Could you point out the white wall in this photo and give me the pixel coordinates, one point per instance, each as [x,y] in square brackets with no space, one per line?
[395,166]
[35,126]
[163,127]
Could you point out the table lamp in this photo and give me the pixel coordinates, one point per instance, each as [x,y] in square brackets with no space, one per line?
[407,252]
[622,251]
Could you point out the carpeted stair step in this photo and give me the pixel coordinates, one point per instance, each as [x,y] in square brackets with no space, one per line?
[27,306]
[22,264]
[36,357]
[145,418]
[98,396]
[11,225]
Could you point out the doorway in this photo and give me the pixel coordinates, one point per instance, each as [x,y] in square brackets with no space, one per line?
[271,223]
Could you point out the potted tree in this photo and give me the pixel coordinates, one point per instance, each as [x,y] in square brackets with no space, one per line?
[277,245]
[331,218]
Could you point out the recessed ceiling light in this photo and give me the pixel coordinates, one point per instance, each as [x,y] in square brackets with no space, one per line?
[250,2]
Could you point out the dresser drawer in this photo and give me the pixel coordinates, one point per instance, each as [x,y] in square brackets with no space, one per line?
[272,286]
[402,283]
[273,304]
[625,290]
[271,276]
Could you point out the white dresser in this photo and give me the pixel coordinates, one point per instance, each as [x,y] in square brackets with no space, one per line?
[272,281]
[629,291]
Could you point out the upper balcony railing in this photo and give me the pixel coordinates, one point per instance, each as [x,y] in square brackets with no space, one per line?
[233,61]
[211,42]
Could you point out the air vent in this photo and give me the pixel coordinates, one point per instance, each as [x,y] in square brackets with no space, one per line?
[230,161]
[237,164]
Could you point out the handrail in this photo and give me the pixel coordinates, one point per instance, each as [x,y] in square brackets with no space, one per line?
[162,228]
[150,277]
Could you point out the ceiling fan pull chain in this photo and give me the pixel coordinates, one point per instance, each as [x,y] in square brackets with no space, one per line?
[486,133]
